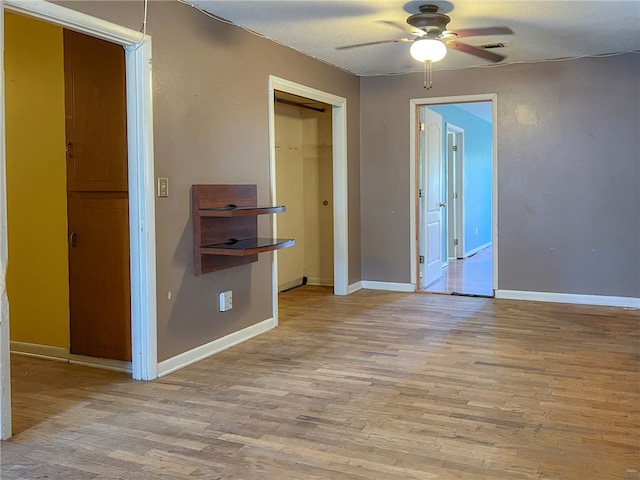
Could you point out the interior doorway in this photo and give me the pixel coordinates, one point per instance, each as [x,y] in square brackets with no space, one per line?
[339,201]
[97,199]
[455,162]
[304,180]
[71,88]
[141,181]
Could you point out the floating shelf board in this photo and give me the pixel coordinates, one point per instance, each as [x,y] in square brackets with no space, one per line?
[240,211]
[249,246]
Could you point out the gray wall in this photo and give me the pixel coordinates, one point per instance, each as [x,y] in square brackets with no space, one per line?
[210,94]
[568,173]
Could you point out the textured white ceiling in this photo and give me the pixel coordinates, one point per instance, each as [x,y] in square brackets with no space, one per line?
[543,29]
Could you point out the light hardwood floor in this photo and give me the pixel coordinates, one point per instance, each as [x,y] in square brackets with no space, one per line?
[375,385]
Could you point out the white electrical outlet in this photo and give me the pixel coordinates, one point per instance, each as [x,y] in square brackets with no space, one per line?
[226,301]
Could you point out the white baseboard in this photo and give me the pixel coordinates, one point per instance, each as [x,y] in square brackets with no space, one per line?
[47,352]
[320,282]
[315,281]
[393,287]
[628,302]
[354,287]
[62,354]
[200,353]
[289,285]
[476,250]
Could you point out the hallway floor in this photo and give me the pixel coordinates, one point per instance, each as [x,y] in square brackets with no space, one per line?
[470,276]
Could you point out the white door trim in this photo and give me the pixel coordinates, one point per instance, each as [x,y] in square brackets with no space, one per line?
[340,189]
[413,105]
[141,188]
[458,181]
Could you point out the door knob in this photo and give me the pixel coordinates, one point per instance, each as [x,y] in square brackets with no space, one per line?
[73,239]
[443,204]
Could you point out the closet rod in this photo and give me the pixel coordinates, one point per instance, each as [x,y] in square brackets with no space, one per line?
[296,104]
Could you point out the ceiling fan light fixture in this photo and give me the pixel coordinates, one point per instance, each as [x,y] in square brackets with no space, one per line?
[428,50]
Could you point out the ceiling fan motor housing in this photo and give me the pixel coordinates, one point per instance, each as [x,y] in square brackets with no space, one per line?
[429,20]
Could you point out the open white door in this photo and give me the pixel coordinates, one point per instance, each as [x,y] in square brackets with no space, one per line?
[431,198]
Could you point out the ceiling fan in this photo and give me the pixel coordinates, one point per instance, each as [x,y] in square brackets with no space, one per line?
[432,37]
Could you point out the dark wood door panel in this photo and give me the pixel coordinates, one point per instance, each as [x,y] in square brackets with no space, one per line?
[100,299]
[96,123]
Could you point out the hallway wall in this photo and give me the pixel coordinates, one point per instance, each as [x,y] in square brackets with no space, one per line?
[37,273]
[476,174]
[568,171]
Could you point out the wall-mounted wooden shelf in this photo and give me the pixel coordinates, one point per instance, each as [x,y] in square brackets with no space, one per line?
[249,246]
[225,227]
[235,211]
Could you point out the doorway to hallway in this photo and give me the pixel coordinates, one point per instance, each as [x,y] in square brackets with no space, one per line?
[455,170]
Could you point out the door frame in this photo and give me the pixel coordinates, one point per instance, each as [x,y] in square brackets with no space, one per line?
[414,104]
[340,186]
[457,181]
[141,188]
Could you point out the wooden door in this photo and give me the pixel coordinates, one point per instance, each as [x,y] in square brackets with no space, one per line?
[98,206]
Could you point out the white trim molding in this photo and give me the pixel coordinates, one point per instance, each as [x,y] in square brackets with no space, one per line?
[606,301]
[142,211]
[354,287]
[320,282]
[62,354]
[5,363]
[388,286]
[200,353]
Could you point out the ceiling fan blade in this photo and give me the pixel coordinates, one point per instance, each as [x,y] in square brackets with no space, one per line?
[398,40]
[478,52]
[404,27]
[472,32]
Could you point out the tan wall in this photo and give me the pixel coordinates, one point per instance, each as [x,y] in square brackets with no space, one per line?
[211,125]
[317,161]
[37,274]
[290,192]
[568,173]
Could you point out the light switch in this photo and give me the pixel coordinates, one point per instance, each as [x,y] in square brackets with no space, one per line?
[163,187]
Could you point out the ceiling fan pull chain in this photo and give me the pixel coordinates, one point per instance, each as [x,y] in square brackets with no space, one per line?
[425,74]
[428,83]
